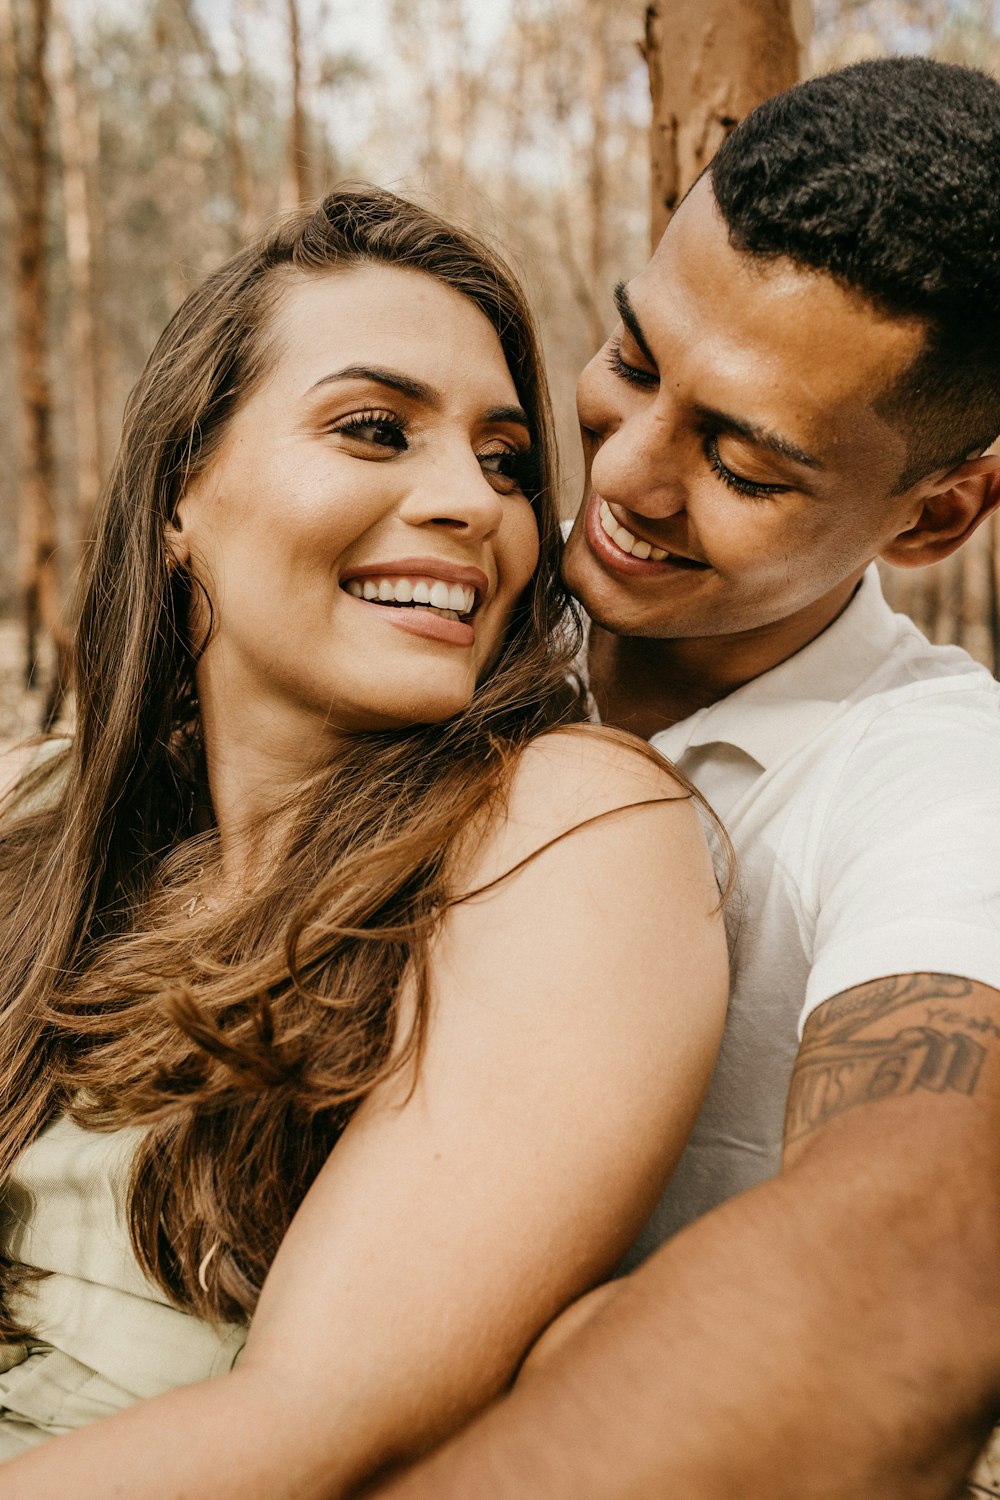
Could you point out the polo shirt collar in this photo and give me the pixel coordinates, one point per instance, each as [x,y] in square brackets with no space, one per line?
[769,716]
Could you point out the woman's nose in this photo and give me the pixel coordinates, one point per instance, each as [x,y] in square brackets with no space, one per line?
[458,495]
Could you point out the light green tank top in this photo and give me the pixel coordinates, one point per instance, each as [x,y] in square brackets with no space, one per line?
[103,1334]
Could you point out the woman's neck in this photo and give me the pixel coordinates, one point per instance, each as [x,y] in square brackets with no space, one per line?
[252,770]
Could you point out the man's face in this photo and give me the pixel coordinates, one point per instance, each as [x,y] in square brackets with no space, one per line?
[739,477]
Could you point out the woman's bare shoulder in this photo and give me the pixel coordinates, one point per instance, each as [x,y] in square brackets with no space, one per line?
[593,763]
[577,778]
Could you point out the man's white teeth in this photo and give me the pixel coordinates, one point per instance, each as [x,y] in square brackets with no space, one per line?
[625,540]
[451,599]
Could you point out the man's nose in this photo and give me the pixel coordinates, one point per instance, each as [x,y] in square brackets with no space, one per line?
[637,466]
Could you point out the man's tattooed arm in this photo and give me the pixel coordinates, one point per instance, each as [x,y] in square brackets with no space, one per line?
[889,1038]
[916,1039]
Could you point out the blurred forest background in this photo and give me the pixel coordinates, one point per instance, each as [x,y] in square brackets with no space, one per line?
[142,140]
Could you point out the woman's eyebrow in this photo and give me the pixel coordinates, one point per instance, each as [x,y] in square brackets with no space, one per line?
[507,414]
[626,312]
[393,379]
[417,390]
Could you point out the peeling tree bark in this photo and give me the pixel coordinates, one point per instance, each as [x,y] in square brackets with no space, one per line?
[710,62]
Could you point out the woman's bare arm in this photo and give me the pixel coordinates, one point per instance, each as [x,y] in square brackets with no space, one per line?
[577,1009]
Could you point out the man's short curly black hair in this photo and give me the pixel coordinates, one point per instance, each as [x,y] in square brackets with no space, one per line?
[886,175]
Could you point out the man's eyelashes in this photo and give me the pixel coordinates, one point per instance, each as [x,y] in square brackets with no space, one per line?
[625,371]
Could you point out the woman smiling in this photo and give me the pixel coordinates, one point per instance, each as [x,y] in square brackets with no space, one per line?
[356,1000]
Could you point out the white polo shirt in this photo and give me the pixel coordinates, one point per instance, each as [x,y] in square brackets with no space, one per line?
[860,783]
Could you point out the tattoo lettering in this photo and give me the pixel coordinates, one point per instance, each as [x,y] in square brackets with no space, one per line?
[967,1023]
[858,1072]
[840,1017]
[840,1067]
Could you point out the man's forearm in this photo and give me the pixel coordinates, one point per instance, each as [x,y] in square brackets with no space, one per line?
[824,1337]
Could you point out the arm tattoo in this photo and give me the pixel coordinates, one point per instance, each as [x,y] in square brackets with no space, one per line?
[838,1067]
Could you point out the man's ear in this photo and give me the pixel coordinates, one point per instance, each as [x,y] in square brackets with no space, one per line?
[950,510]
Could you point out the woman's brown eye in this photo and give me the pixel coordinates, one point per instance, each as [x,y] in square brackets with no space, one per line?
[381,432]
[512,467]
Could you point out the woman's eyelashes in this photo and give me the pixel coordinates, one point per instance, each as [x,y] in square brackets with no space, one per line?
[376,429]
[753,489]
[504,465]
[644,378]
[512,468]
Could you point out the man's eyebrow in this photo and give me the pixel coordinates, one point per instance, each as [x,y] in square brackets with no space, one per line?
[417,390]
[626,312]
[761,437]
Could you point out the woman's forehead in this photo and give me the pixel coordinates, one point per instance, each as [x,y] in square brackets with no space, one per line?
[390,315]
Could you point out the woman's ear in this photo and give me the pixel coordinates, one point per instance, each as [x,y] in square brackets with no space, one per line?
[176,537]
[950,511]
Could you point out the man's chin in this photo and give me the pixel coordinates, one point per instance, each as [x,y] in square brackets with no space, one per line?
[579,574]
[589,588]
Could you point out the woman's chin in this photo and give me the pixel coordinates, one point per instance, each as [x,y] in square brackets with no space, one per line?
[407,711]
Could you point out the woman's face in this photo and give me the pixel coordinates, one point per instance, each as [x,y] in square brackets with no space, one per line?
[361,531]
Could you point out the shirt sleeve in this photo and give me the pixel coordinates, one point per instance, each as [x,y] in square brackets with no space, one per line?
[908,871]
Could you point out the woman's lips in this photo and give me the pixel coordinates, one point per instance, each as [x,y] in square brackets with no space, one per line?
[426,596]
[422,620]
[432,567]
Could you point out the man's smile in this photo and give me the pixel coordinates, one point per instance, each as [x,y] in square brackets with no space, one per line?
[619,548]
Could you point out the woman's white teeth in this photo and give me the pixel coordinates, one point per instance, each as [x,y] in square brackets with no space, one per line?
[625,540]
[452,599]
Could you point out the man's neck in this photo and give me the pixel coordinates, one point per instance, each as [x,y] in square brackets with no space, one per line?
[645,685]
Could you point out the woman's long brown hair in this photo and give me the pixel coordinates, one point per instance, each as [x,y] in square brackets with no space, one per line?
[243,1041]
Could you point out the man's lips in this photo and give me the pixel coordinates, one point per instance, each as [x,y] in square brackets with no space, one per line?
[600,520]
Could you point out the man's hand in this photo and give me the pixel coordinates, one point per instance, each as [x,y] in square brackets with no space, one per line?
[833,1334]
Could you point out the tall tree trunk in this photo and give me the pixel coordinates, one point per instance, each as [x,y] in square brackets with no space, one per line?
[297,141]
[78,151]
[710,62]
[596,82]
[28,128]
[238,172]
[455,102]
